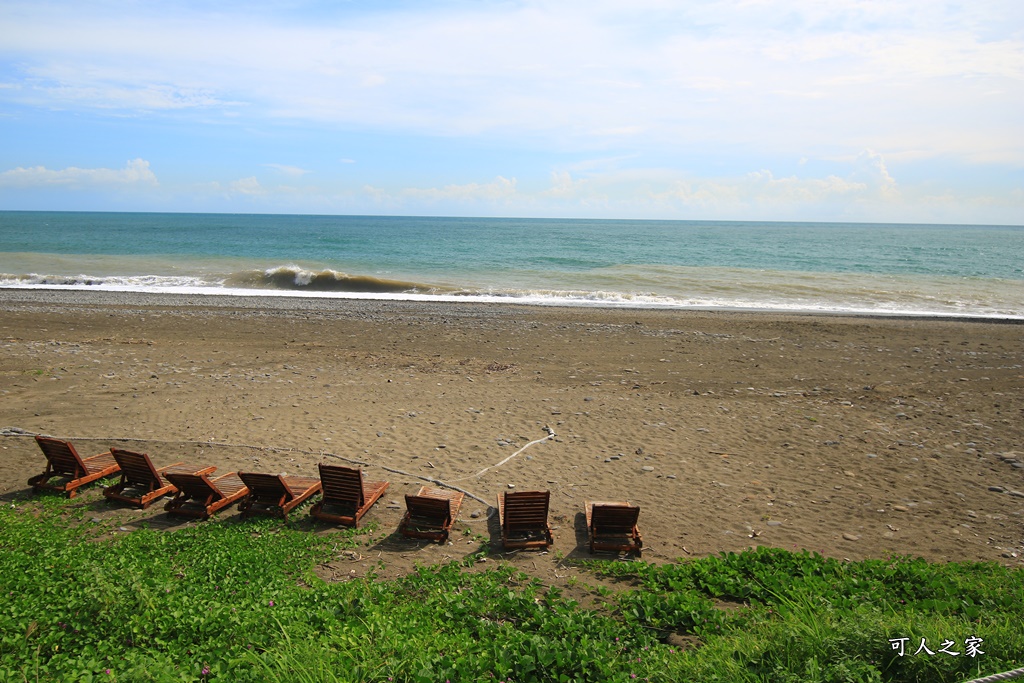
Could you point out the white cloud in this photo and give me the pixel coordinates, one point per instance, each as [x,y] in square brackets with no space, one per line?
[868,182]
[499,189]
[126,97]
[869,168]
[648,106]
[763,194]
[293,171]
[845,74]
[246,186]
[602,163]
[861,188]
[563,186]
[135,172]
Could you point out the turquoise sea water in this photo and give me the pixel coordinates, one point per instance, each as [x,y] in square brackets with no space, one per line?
[828,267]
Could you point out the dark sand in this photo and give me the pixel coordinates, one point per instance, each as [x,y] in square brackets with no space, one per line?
[852,437]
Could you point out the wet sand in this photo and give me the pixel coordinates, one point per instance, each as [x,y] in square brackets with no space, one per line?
[851,437]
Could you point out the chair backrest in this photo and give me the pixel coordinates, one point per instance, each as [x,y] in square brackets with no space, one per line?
[136,468]
[429,507]
[62,456]
[342,484]
[195,485]
[526,510]
[266,485]
[615,518]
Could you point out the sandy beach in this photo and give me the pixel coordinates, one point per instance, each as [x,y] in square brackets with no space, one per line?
[851,437]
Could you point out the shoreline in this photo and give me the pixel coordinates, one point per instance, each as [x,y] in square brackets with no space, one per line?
[850,436]
[337,304]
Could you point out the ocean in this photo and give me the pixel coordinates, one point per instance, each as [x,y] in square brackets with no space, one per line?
[874,269]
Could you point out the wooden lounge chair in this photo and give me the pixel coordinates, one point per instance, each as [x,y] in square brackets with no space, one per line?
[141,482]
[275,494]
[63,461]
[431,513]
[199,496]
[524,519]
[346,496]
[612,526]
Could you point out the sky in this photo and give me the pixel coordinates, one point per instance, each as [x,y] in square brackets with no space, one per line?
[846,110]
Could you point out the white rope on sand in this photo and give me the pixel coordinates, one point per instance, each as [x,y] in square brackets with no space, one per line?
[551,435]
[17,431]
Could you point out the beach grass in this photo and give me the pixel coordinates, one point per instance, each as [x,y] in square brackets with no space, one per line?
[223,600]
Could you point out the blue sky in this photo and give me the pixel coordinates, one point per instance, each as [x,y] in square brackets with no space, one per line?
[889,110]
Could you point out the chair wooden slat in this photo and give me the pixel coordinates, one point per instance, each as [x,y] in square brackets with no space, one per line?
[199,496]
[64,463]
[141,482]
[613,526]
[431,513]
[346,496]
[275,494]
[524,519]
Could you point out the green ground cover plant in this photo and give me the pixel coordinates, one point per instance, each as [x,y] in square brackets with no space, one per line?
[239,601]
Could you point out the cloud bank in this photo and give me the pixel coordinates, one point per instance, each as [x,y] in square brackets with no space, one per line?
[135,172]
[773,75]
[653,107]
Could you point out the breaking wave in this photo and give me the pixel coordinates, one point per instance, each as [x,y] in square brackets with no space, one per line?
[288,278]
[296,278]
